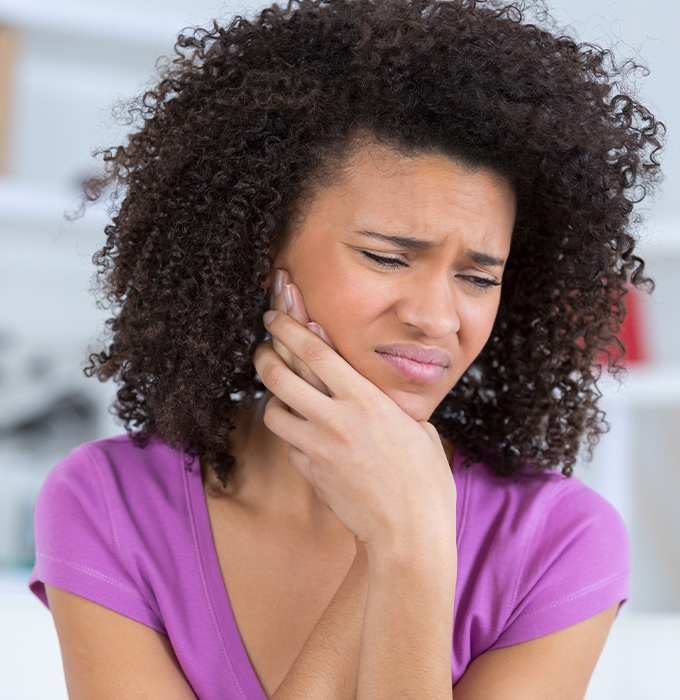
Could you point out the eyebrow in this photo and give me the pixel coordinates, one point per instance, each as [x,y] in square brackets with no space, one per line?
[484,259]
[400,241]
[419,244]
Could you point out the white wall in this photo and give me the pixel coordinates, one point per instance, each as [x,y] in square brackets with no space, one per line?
[78,57]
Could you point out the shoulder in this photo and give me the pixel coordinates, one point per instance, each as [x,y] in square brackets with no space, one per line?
[541,553]
[113,468]
[120,454]
[99,518]
[534,510]
[115,486]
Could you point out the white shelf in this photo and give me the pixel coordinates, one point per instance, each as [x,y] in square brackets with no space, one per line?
[645,387]
[107,21]
[33,204]
[661,236]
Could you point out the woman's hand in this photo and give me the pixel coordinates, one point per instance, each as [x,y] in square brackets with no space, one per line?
[388,480]
[287,297]
[385,475]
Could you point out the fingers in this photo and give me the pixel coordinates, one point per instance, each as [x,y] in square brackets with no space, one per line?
[317,330]
[279,303]
[290,296]
[294,391]
[323,361]
[287,297]
[281,422]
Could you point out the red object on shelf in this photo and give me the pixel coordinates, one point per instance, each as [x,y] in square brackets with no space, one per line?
[631,334]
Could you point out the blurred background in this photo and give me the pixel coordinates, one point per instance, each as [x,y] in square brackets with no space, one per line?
[63,67]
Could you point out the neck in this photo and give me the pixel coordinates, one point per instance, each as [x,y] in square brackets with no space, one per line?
[265,484]
[263,480]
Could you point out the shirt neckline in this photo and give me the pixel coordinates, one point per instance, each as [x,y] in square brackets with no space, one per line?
[217,596]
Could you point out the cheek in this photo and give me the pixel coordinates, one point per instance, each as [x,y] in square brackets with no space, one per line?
[340,302]
[476,325]
[326,288]
[344,302]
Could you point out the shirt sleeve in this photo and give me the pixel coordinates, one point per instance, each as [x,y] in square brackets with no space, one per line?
[77,548]
[575,565]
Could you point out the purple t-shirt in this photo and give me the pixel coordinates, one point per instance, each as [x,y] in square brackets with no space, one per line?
[128,528]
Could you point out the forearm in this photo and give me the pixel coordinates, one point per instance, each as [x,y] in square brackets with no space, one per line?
[408,626]
[326,667]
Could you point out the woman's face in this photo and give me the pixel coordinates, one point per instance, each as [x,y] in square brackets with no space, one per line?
[399,261]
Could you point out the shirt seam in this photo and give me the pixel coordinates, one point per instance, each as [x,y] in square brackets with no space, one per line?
[201,570]
[118,550]
[575,595]
[464,506]
[92,572]
[105,498]
[539,516]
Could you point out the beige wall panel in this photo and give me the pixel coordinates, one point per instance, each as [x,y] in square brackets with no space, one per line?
[8,49]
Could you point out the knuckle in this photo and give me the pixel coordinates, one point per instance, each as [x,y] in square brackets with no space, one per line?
[261,350]
[314,350]
[271,406]
[430,429]
[271,417]
[272,376]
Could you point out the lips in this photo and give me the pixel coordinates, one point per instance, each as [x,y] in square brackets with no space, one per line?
[417,353]
[415,362]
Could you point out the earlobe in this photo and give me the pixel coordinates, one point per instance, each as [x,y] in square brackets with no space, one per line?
[278,263]
[268,283]
[270,279]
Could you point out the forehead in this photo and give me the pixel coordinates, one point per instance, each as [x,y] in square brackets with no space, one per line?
[424,194]
[389,170]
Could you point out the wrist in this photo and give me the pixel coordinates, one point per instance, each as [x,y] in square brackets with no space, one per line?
[425,549]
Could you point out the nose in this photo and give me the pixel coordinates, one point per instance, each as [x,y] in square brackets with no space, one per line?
[430,306]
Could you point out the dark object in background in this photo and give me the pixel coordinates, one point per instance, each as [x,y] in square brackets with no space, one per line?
[44,412]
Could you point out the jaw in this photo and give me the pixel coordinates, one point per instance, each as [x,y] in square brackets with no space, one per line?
[419,405]
[418,400]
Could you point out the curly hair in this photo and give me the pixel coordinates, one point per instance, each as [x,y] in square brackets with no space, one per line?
[247,119]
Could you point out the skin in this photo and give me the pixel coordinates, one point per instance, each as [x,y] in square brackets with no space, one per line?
[341,444]
[369,293]
[436,296]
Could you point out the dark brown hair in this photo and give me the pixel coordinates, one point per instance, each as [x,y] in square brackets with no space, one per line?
[246,115]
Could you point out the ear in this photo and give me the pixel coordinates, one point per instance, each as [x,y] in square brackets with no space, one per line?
[269,279]
[276,257]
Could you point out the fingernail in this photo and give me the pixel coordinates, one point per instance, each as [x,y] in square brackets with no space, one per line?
[278,282]
[268,316]
[288,297]
[315,328]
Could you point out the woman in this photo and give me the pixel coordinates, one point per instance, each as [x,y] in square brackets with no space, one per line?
[376,172]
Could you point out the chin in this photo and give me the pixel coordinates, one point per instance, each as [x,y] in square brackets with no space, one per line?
[418,407]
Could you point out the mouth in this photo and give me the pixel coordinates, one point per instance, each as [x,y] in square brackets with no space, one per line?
[419,363]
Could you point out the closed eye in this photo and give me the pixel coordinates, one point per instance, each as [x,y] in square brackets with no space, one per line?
[385,261]
[483,283]
[391,263]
